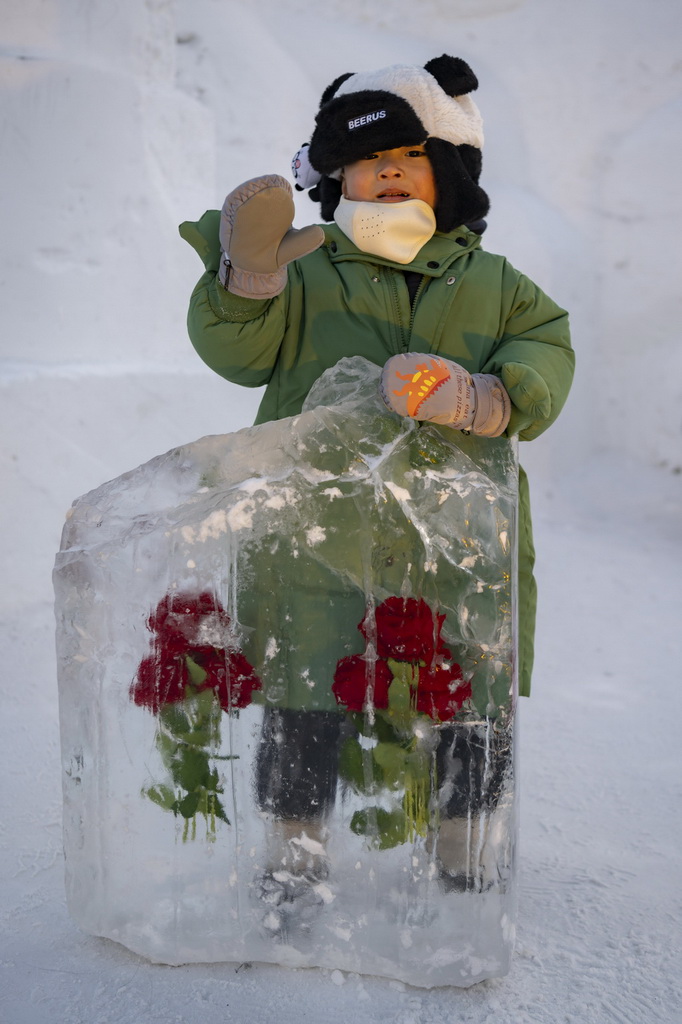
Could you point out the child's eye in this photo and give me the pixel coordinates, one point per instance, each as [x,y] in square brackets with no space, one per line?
[416,152]
[371,156]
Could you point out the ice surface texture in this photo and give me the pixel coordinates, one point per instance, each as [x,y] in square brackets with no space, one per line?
[287,694]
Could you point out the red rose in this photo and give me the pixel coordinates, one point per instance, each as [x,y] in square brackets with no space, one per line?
[236,680]
[441,691]
[187,626]
[181,615]
[404,629]
[161,679]
[353,678]
[210,660]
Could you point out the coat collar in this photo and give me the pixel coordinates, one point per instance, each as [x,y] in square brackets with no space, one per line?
[432,260]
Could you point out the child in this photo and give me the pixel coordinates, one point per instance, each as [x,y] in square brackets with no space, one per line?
[400,278]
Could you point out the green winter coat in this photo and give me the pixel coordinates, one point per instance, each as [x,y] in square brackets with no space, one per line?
[471,306]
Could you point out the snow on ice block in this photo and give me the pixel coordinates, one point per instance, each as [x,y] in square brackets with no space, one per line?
[287,695]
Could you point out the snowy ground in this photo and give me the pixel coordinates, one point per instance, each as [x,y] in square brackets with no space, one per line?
[97,377]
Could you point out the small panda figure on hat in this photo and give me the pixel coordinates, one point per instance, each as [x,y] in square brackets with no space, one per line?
[398,106]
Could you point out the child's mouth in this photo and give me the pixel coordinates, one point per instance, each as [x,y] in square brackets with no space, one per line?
[392,195]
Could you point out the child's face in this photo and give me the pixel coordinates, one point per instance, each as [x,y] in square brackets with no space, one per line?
[391,176]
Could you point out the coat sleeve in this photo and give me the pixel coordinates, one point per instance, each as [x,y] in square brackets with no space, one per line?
[238,338]
[533,357]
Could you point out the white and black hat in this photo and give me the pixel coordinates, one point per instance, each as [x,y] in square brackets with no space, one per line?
[400,106]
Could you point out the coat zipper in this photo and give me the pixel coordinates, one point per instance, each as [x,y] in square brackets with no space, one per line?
[417,296]
[405,329]
[413,306]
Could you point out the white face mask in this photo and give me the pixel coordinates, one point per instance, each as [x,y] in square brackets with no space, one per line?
[394,231]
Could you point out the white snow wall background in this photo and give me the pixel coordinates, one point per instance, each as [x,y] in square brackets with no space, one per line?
[119,121]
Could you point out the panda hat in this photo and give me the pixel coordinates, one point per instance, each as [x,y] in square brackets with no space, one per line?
[394,107]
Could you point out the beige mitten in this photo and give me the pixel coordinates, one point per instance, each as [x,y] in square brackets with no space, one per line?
[428,387]
[258,240]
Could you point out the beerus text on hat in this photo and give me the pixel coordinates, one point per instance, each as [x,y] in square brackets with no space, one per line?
[394,107]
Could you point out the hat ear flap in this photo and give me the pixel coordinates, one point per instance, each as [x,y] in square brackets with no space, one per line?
[453,75]
[327,193]
[459,198]
[331,89]
[472,158]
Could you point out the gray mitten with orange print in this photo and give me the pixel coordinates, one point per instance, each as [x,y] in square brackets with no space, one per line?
[428,387]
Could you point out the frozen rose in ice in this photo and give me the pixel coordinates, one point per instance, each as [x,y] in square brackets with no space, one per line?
[415,676]
[206,679]
[235,682]
[161,679]
[190,654]
[194,618]
[206,666]
[441,690]
[404,629]
[353,677]
[443,706]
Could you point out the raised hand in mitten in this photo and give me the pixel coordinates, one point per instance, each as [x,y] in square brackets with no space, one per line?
[258,240]
[428,387]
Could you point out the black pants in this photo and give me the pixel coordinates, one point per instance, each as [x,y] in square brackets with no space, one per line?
[297,764]
[473,762]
